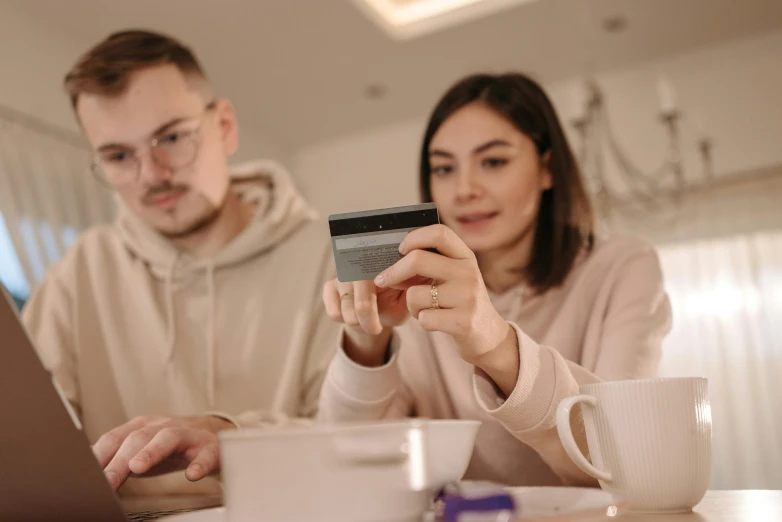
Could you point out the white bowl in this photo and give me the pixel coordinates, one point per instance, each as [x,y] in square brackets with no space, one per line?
[357,472]
[449,447]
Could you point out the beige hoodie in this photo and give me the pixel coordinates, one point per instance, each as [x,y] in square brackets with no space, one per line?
[606,322]
[130,326]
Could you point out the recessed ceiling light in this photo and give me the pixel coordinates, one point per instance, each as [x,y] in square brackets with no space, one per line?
[407,19]
[615,23]
[375,91]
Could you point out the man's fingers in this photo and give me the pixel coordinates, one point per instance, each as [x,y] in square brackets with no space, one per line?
[107,446]
[162,446]
[109,443]
[118,470]
[204,463]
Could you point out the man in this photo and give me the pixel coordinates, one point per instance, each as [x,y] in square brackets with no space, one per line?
[199,309]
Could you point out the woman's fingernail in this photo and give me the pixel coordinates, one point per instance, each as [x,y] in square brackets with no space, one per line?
[380,280]
[402,248]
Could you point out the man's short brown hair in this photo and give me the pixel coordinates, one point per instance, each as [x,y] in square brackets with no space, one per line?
[106,68]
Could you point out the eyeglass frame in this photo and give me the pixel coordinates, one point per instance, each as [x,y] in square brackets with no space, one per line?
[193,136]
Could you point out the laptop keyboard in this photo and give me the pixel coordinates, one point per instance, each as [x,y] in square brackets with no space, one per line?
[145,516]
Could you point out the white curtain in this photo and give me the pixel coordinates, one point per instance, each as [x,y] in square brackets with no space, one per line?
[47,196]
[727,301]
[721,252]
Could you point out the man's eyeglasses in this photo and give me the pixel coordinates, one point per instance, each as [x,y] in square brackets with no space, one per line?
[172,150]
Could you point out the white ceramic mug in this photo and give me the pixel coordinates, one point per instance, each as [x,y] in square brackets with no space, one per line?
[649,440]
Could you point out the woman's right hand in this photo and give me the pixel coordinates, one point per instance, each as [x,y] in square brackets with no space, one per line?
[369,313]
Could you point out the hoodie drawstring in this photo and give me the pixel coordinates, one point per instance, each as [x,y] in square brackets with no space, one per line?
[169,291]
[210,336]
[210,325]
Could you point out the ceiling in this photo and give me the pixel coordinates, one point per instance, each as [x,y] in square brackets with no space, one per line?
[299,70]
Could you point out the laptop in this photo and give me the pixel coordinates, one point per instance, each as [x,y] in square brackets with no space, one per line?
[48,472]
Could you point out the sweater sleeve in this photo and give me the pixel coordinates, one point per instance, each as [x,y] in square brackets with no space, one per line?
[637,318]
[48,320]
[352,392]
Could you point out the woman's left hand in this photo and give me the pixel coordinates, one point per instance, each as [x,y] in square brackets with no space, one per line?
[465,311]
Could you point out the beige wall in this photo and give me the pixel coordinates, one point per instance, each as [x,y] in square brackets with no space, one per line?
[35,57]
[733,90]
[374,169]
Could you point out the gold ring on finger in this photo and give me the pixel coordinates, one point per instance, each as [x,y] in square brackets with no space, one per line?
[435,301]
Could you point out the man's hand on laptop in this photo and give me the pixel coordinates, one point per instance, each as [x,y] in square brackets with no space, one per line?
[157,445]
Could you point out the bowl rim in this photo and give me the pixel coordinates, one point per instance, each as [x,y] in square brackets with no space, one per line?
[314,429]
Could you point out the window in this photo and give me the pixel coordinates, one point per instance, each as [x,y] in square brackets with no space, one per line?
[11,271]
[41,249]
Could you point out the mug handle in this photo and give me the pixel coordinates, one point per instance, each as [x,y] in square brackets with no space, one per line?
[569,442]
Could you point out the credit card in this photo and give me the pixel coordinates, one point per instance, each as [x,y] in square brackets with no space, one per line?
[366,243]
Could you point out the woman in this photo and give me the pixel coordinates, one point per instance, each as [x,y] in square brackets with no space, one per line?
[526,303]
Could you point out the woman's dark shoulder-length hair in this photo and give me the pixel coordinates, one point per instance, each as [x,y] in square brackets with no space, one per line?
[565,221]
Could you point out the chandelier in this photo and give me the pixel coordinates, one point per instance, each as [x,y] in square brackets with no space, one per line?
[634,189]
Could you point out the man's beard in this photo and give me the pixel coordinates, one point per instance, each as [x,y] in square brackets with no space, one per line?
[199,225]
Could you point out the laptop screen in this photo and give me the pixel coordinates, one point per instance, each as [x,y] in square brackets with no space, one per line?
[48,470]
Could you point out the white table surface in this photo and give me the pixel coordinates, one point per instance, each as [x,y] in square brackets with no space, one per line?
[716,506]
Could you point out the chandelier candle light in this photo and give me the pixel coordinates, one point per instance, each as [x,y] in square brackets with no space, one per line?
[664,185]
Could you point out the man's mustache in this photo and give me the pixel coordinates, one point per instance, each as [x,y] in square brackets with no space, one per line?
[163,189]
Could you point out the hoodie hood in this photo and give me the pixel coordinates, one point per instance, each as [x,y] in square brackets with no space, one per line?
[280,212]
